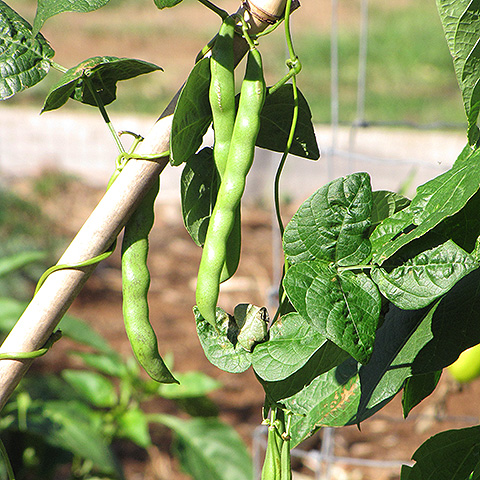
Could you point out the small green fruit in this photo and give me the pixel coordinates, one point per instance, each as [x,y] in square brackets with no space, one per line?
[467,367]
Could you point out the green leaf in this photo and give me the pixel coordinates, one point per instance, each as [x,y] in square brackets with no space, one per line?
[24,58]
[133,424]
[192,385]
[218,346]
[436,200]
[462,31]
[203,446]
[49,8]
[331,225]
[449,455]
[98,73]
[276,118]
[343,306]
[291,344]
[73,427]
[422,279]
[385,204]
[198,193]
[19,260]
[93,387]
[192,114]
[161,4]
[417,388]
[107,363]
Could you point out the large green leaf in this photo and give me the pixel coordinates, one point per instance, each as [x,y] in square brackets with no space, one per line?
[133,424]
[49,8]
[192,114]
[422,279]
[292,341]
[208,448]
[342,305]
[436,200]
[220,346]
[331,225]
[385,204]
[24,58]
[100,74]
[276,118]
[462,31]
[198,193]
[449,455]
[75,428]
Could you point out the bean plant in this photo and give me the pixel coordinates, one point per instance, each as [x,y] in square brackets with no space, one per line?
[379,292]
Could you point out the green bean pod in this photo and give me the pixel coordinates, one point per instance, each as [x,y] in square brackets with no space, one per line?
[239,162]
[135,285]
[286,460]
[222,102]
[272,464]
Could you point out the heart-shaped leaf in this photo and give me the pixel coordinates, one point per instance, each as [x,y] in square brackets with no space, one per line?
[332,224]
[422,279]
[192,114]
[161,4]
[100,74]
[276,118]
[341,305]
[24,58]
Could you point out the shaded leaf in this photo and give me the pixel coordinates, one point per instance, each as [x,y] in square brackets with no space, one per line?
[341,305]
[198,193]
[192,114]
[98,73]
[332,224]
[422,279]
[49,8]
[292,341]
[385,204]
[276,118]
[204,444]
[417,388]
[449,455]
[24,58]
[93,387]
[218,346]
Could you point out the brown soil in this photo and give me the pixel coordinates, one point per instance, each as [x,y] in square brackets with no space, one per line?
[173,263]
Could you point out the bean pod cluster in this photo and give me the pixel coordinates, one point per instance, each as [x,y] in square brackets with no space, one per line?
[225,219]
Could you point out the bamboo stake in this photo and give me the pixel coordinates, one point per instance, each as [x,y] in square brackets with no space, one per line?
[57,293]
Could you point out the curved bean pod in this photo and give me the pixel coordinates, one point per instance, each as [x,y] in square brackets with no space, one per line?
[135,285]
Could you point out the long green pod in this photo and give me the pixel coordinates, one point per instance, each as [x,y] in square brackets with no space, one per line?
[272,464]
[286,460]
[135,285]
[222,102]
[239,162]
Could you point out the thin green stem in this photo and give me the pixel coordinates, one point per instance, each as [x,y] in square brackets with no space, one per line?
[219,11]
[245,28]
[104,114]
[58,67]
